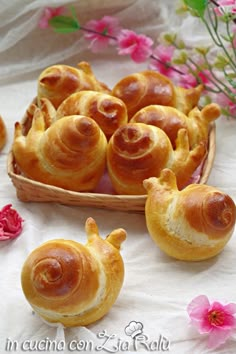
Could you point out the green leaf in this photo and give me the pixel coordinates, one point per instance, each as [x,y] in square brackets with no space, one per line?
[197,5]
[64,24]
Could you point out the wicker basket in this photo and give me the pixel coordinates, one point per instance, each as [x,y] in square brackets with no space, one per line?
[28,190]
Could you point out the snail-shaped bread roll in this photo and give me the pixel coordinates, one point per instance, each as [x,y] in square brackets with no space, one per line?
[59,81]
[3,133]
[74,284]
[149,87]
[137,151]
[108,111]
[192,224]
[70,154]
[171,120]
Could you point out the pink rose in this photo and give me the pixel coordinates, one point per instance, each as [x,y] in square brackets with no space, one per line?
[10,223]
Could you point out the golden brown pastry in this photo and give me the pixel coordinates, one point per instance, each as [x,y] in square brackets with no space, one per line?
[74,284]
[48,111]
[64,154]
[193,224]
[149,87]
[137,151]
[59,81]
[171,120]
[3,133]
[108,111]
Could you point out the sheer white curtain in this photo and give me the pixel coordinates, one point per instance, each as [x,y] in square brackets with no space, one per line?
[24,47]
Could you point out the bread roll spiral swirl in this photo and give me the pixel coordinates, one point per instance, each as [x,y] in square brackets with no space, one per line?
[74,284]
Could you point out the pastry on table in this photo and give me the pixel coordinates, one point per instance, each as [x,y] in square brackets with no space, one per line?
[170,120]
[149,87]
[70,154]
[74,284]
[57,82]
[137,151]
[3,133]
[193,224]
[108,111]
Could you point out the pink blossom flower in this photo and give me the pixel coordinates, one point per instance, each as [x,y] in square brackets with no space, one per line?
[163,55]
[10,223]
[216,319]
[225,102]
[48,13]
[137,46]
[225,6]
[188,80]
[102,32]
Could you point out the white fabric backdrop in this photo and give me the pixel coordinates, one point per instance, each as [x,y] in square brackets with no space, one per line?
[156,289]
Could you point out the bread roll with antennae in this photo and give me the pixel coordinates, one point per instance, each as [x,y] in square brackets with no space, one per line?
[171,120]
[57,82]
[74,284]
[192,224]
[149,87]
[70,154]
[137,151]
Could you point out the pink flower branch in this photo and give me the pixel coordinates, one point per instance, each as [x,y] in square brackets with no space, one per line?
[183,70]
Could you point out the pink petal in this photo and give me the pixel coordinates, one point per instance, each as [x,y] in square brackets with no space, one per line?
[48,13]
[230,308]
[138,46]
[198,307]
[10,223]
[218,337]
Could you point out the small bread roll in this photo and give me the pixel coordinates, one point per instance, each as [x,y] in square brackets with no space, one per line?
[3,133]
[149,87]
[70,154]
[171,120]
[137,151]
[193,224]
[74,284]
[108,111]
[57,82]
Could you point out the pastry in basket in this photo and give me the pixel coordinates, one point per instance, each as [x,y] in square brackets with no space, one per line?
[108,111]
[149,87]
[171,120]
[74,284]
[3,133]
[192,224]
[59,81]
[137,151]
[70,154]
[47,109]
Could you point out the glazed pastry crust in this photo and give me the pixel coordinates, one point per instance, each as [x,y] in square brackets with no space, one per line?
[63,154]
[3,133]
[171,120]
[57,82]
[193,224]
[146,88]
[74,284]
[137,151]
[108,111]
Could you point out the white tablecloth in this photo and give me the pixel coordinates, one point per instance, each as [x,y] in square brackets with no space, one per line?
[156,289]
